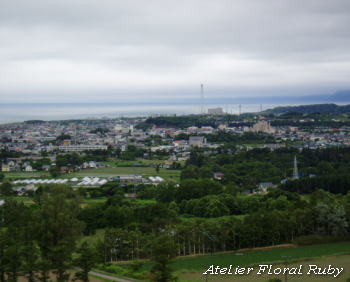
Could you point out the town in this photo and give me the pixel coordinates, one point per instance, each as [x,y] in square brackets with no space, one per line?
[35,151]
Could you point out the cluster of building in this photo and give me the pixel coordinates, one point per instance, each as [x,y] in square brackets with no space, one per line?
[36,140]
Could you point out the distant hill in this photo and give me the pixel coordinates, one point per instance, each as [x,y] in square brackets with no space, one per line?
[309,109]
[340,96]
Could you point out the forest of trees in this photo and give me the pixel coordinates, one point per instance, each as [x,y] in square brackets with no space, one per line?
[38,239]
[197,215]
[204,222]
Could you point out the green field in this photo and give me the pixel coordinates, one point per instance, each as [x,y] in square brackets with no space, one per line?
[115,171]
[342,261]
[138,161]
[101,172]
[191,268]
[25,175]
[271,255]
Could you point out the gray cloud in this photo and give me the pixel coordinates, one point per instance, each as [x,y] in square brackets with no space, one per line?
[65,50]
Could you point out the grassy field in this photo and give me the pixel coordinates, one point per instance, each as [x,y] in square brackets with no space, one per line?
[271,255]
[100,172]
[138,161]
[192,268]
[336,261]
[25,175]
[92,278]
[92,239]
[115,171]
[29,200]
[85,202]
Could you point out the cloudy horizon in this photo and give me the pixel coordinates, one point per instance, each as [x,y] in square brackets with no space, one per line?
[69,51]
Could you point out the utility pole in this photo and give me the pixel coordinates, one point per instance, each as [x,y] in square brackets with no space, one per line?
[202,99]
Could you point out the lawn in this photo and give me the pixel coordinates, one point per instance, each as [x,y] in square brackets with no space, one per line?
[268,255]
[92,239]
[25,175]
[92,278]
[211,219]
[144,162]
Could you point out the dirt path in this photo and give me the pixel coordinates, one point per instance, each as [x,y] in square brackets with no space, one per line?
[105,276]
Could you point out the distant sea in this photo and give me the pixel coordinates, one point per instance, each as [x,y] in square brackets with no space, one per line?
[61,111]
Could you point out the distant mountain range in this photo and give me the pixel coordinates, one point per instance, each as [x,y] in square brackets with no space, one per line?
[310,109]
[337,97]
[340,96]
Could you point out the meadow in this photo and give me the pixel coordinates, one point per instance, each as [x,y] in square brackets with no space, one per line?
[191,268]
[341,261]
[264,255]
[115,171]
[101,172]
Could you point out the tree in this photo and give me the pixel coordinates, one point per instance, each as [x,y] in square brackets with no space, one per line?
[2,255]
[30,250]
[58,229]
[163,251]
[6,189]
[12,239]
[54,171]
[2,176]
[86,260]
[331,219]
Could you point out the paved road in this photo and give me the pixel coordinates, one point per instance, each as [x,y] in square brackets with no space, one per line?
[113,278]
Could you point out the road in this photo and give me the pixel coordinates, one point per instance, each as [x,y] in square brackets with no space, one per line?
[105,276]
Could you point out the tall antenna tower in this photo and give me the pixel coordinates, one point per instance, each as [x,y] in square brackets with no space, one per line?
[261,108]
[202,99]
[75,134]
[295,169]
[240,109]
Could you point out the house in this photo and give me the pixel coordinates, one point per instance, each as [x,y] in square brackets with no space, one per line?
[168,164]
[7,168]
[46,167]
[92,164]
[28,168]
[130,195]
[218,175]
[263,186]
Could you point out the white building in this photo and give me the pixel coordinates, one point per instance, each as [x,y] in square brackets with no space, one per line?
[263,126]
[216,111]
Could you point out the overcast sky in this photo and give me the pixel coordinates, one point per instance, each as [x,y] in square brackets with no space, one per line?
[84,50]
